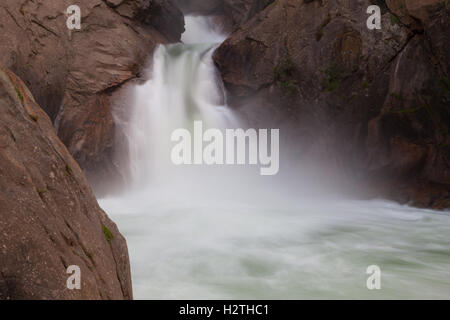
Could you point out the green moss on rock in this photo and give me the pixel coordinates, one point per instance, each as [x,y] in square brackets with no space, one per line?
[108,234]
[19,94]
[333,74]
[283,74]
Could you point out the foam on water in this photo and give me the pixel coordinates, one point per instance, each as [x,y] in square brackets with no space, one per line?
[220,232]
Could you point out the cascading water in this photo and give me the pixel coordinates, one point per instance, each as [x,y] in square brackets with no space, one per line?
[183,89]
[218,232]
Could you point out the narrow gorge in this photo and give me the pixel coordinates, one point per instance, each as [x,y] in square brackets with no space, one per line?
[363,150]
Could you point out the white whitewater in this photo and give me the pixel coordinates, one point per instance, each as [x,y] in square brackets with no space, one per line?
[183,88]
[225,233]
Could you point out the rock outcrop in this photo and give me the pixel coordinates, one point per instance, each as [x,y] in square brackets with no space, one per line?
[74,73]
[49,217]
[373,104]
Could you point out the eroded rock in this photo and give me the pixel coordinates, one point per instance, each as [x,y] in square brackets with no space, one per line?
[373,104]
[73,74]
[49,217]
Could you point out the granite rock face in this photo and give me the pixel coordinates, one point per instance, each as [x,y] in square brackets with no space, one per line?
[372,104]
[49,217]
[73,74]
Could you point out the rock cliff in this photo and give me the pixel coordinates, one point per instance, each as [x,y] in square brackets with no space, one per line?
[74,73]
[49,217]
[373,104]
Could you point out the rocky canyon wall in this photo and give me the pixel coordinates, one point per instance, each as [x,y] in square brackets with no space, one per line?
[49,217]
[73,74]
[373,104]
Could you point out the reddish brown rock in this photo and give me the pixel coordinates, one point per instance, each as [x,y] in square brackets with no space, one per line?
[73,74]
[49,217]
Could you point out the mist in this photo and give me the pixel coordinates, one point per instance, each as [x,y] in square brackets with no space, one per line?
[226,232]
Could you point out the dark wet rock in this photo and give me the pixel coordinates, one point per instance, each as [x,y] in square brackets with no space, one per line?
[372,104]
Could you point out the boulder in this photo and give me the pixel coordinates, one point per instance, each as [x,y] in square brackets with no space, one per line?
[49,217]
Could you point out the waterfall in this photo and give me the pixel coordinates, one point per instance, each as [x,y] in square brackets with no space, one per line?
[200,232]
[183,88]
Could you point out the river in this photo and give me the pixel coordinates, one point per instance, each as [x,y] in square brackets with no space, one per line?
[201,232]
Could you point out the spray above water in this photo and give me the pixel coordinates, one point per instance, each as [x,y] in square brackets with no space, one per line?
[183,88]
[201,30]
[225,232]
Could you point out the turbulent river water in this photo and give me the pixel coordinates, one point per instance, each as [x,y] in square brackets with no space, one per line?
[226,233]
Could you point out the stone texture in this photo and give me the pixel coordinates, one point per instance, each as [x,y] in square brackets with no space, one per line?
[49,217]
[414,12]
[73,74]
[372,104]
